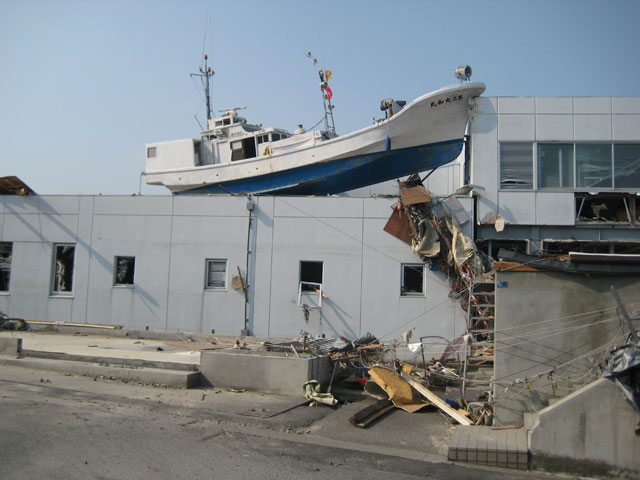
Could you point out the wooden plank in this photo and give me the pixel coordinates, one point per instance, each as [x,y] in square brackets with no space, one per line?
[399,226]
[364,417]
[436,400]
[413,195]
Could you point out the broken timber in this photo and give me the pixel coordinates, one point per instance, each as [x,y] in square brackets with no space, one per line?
[436,400]
[368,414]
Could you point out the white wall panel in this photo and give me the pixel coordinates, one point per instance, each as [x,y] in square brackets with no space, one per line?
[517,105]
[626,128]
[518,207]
[591,105]
[554,127]
[592,127]
[516,127]
[554,105]
[555,208]
[625,105]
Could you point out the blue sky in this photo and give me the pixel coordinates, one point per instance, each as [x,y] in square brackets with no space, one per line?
[85,84]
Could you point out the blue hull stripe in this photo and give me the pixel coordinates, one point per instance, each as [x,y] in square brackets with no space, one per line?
[342,175]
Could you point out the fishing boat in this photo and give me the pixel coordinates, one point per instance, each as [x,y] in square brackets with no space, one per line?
[233,156]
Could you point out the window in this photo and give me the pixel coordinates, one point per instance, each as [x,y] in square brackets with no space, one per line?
[310,275]
[63,268]
[310,284]
[516,166]
[6,254]
[263,139]
[593,165]
[275,137]
[412,280]
[151,152]
[555,165]
[626,159]
[216,275]
[124,268]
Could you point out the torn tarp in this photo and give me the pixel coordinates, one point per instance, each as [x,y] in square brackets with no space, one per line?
[428,245]
[624,368]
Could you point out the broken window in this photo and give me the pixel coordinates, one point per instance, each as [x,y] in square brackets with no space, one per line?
[555,165]
[6,255]
[626,158]
[594,165]
[63,268]
[216,276]
[492,247]
[605,207]
[310,284]
[310,275]
[516,166]
[412,280]
[123,270]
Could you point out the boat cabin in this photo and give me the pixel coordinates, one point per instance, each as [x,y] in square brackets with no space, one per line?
[229,139]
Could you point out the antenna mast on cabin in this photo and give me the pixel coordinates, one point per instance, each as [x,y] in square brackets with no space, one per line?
[327,95]
[207,73]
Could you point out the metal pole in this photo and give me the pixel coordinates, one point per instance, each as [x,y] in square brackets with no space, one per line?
[634,334]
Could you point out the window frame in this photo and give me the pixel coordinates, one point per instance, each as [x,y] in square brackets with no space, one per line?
[502,169]
[115,271]
[9,268]
[207,283]
[54,271]
[403,292]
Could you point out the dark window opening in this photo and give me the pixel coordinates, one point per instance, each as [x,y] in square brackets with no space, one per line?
[310,273]
[492,247]
[124,270]
[63,268]
[605,207]
[275,137]
[412,280]
[6,255]
[563,248]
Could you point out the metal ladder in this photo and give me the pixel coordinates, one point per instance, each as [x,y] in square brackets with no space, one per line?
[480,323]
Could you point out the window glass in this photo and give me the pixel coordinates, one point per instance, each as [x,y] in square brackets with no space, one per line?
[275,137]
[216,273]
[63,268]
[412,279]
[151,152]
[593,165]
[555,165]
[516,166]
[626,159]
[6,255]
[124,268]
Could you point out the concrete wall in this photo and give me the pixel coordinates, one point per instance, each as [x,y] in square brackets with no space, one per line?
[170,238]
[590,432]
[547,321]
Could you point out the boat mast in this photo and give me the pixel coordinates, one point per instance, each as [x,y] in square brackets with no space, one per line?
[327,94]
[207,73]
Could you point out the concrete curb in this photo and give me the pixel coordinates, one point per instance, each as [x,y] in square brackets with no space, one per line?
[113,361]
[170,378]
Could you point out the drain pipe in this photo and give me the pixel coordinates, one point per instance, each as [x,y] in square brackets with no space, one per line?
[245,330]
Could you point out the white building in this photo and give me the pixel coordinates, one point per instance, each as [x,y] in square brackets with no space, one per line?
[168,263]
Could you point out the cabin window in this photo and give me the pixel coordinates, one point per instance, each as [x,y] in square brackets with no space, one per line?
[151,152]
[412,283]
[6,256]
[263,139]
[226,121]
[63,262]
[516,166]
[275,137]
[216,274]
[123,270]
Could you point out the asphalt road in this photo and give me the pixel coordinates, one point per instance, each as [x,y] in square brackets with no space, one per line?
[63,429]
